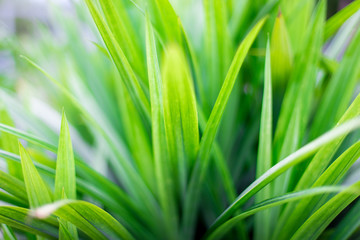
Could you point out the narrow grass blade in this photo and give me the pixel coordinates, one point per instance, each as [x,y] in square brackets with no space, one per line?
[136,134]
[100,185]
[9,143]
[295,158]
[89,218]
[165,20]
[332,176]
[13,186]
[18,218]
[37,191]
[8,233]
[299,12]
[335,22]
[7,198]
[220,164]
[131,82]
[122,205]
[199,84]
[65,165]
[83,167]
[180,114]
[162,165]
[317,223]
[348,225]
[120,159]
[218,46]
[64,234]
[337,94]
[119,23]
[300,91]
[201,165]
[27,137]
[65,178]
[315,168]
[269,203]
[264,163]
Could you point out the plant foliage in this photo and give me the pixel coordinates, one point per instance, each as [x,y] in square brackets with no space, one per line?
[240,121]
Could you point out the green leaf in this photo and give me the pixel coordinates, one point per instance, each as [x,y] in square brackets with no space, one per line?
[64,234]
[65,165]
[136,134]
[315,168]
[164,19]
[297,15]
[337,94]
[125,168]
[65,178]
[332,176]
[180,113]
[300,91]
[8,233]
[36,189]
[91,182]
[121,205]
[13,186]
[128,76]
[290,161]
[9,143]
[269,203]
[335,22]
[281,53]
[119,23]
[199,84]
[201,165]
[87,173]
[264,163]
[164,181]
[18,218]
[89,218]
[5,197]
[348,225]
[120,159]
[218,46]
[317,223]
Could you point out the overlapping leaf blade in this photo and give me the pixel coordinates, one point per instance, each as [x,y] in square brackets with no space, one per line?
[18,218]
[335,22]
[269,203]
[102,186]
[65,177]
[8,233]
[348,224]
[37,191]
[331,176]
[65,164]
[264,163]
[338,94]
[180,114]
[293,159]
[13,186]
[89,218]
[119,23]
[208,137]
[162,164]
[128,76]
[9,143]
[317,165]
[317,223]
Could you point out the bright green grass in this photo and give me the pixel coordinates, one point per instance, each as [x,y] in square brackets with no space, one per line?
[237,122]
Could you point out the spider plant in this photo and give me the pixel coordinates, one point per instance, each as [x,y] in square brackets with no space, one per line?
[188,119]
